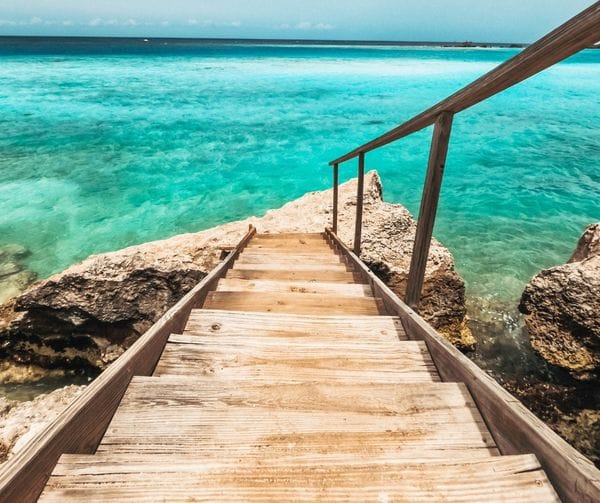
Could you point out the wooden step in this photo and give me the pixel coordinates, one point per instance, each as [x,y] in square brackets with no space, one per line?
[184,415]
[329,276]
[257,358]
[514,479]
[293,303]
[226,324]
[326,347]
[288,267]
[273,246]
[290,236]
[295,242]
[270,286]
[262,257]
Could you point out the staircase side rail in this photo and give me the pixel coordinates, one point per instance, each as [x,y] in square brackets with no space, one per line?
[515,429]
[81,426]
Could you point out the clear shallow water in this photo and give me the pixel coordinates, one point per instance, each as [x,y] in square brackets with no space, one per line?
[104,146]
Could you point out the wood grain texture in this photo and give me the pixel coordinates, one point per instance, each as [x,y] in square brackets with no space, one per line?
[325,275]
[292,303]
[184,414]
[273,246]
[514,478]
[326,329]
[286,266]
[409,363]
[291,237]
[263,256]
[273,286]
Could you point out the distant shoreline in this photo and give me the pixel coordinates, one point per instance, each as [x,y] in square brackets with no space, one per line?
[258,41]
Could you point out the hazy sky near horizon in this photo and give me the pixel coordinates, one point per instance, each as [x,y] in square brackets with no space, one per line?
[419,20]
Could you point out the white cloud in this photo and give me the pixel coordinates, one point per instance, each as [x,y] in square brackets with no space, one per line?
[209,23]
[306,25]
[126,23]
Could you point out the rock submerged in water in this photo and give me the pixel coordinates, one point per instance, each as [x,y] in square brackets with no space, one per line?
[86,316]
[14,278]
[562,308]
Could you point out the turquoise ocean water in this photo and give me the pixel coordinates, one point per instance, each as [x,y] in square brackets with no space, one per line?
[109,144]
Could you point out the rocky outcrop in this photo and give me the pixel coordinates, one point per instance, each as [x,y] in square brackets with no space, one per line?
[21,421]
[562,308]
[14,277]
[89,314]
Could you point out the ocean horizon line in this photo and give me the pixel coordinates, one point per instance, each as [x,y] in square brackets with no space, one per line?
[267,41]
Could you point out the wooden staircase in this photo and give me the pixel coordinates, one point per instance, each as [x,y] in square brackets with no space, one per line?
[292,384]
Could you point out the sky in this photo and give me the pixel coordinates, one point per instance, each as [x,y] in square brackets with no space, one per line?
[406,20]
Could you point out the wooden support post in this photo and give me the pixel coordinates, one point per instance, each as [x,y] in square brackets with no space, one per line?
[335,198]
[429,204]
[359,203]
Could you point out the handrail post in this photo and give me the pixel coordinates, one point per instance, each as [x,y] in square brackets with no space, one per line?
[335,198]
[359,203]
[429,204]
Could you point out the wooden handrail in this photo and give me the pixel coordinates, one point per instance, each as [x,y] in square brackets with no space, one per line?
[429,204]
[81,426]
[335,197]
[580,32]
[360,193]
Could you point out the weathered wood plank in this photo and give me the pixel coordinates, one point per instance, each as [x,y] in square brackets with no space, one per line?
[321,328]
[438,401]
[514,479]
[262,362]
[321,288]
[273,246]
[290,237]
[292,303]
[299,267]
[263,257]
[106,461]
[346,277]
[184,414]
